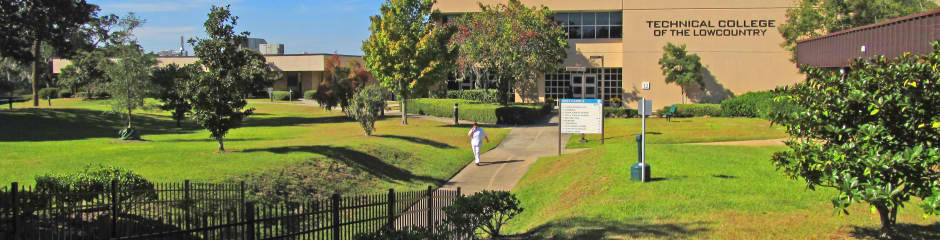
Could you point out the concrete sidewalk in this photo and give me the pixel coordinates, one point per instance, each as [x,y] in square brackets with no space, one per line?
[502,167]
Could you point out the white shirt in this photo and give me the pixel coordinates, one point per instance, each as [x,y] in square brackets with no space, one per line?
[476,137]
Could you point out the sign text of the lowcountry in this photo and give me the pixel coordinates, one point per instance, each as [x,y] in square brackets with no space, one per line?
[710,28]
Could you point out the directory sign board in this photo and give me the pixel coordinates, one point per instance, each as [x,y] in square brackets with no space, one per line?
[582,116]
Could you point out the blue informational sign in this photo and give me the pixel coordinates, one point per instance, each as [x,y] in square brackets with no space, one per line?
[565,100]
[582,116]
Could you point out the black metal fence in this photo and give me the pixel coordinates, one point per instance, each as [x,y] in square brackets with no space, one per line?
[208,211]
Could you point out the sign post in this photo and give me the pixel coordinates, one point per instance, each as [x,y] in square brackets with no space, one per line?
[585,116]
[641,170]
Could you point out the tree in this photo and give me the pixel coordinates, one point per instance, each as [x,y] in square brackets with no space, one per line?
[872,133]
[130,82]
[85,72]
[28,24]
[101,38]
[218,94]
[510,40]
[171,82]
[407,51]
[819,17]
[366,107]
[681,68]
[340,84]
[12,75]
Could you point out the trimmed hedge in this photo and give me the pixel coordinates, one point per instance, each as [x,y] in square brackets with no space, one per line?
[694,110]
[65,93]
[309,94]
[752,104]
[614,112]
[48,93]
[282,95]
[478,95]
[480,112]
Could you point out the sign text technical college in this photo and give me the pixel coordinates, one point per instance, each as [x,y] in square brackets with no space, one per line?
[709,28]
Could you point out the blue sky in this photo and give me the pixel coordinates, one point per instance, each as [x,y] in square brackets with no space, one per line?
[313,26]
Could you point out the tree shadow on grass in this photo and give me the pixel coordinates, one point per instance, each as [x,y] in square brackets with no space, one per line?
[904,231]
[356,159]
[291,121]
[418,141]
[74,124]
[587,229]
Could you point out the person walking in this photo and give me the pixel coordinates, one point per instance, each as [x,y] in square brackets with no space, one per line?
[477,135]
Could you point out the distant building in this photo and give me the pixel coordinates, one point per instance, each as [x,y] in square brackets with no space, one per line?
[300,72]
[254,43]
[171,53]
[272,49]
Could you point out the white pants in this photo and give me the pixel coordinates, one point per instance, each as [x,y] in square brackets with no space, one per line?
[476,153]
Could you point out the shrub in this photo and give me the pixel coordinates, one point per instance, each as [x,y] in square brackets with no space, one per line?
[487,211]
[314,179]
[366,106]
[485,113]
[477,95]
[412,233]
[620,112]
[95,180]
[310,94]
[48,93]
[695,110]
[752,104]
[283,95]
[65,93]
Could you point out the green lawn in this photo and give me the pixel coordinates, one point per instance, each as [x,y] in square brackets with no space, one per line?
[74,133]
[683,130]
[699,192]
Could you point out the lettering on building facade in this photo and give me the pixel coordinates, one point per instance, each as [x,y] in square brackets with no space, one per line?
[711,28]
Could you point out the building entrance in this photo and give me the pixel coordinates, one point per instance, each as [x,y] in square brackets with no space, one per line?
[584,85]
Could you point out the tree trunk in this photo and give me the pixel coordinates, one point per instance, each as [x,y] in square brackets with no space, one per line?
[35,68]
[128,118]
[221,145]
[888,217]
[178,122]
[404,102]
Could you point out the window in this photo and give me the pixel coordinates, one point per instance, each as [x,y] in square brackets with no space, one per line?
[591,25]
[609,82]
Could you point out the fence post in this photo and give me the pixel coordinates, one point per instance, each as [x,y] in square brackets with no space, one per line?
[391,209]
[114,207]
[336,221]
[187,204]
[242,197]
[250,213]
[16,209]
[430,208]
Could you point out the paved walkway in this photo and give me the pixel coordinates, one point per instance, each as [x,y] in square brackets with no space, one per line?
[502,167]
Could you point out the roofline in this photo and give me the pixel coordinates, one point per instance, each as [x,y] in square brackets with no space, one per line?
[298,54]
[873,25]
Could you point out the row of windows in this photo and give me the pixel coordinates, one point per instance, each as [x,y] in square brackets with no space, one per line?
[559,84]
[591,25]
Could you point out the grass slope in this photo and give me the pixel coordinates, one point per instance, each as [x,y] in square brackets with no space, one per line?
[74,133]
[700,192]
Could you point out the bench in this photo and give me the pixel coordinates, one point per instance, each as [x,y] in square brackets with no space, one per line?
[670,113]
[8,100]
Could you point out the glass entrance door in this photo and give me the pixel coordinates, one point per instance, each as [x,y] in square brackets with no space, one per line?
[584,85]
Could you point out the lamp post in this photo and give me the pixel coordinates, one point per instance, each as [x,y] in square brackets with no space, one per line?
[602,88]
[601,77]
